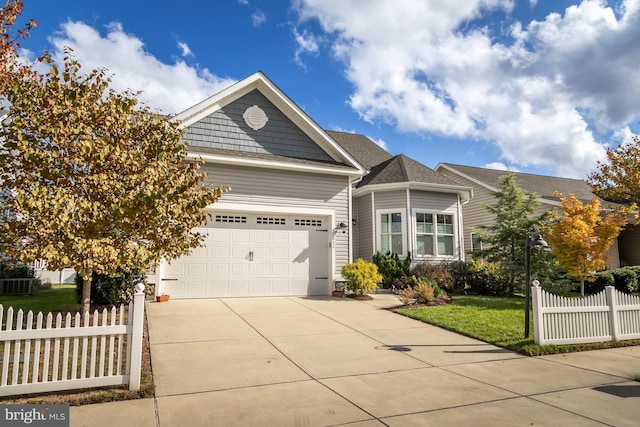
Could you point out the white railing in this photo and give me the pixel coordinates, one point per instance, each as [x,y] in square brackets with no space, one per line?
[81,352]
[607,316]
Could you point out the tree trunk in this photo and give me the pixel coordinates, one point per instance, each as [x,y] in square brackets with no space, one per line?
[86,290]
[582,288]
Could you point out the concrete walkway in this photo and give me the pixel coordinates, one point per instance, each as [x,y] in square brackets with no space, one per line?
[329,361]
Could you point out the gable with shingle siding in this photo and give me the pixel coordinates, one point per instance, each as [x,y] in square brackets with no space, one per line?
[226,129]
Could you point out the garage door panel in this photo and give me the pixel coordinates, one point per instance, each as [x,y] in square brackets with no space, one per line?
[202,252]
[176,268]
[240,270]
[220,288]
[280,269]
[197,287]
[219,252]
[240,253]
[280,237]
[280,253]
[300,238]
[220,270]
[220,236]
[280,287]
[261,288]
[240,236]
[300,269]
[199,269]
[239,288]
[261,254]
[250,255]
[262,237]
[261,269]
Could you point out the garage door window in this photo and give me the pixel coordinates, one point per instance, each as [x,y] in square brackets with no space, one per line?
[306,222]
[231,219]
[270,221]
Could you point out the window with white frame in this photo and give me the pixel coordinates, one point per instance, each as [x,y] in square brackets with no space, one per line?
[476,243]
[435,234]
[391,235]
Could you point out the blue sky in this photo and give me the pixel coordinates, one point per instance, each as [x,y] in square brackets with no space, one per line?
[536,86]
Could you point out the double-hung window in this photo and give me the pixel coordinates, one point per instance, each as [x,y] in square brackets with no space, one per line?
[435,234]
[391,232]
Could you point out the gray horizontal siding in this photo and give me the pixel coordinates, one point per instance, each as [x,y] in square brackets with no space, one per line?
[258,186]
[226,129]
[441,202]
[365,226]
[396,199]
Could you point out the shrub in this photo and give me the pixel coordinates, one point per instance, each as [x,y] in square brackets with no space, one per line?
[118,289]
[406,295]
[15,271]
[438,272]
[391,268]
[486,279]
[362,276]
[404,282]
[602,279]
[625,280]
[460,276]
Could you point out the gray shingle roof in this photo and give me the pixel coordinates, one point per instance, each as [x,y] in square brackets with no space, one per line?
[403,169]
[362,149]
[544,186]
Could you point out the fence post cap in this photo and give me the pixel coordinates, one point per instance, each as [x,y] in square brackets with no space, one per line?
[139,288]
[536,283]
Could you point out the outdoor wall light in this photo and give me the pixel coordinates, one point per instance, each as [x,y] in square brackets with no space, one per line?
[531,242]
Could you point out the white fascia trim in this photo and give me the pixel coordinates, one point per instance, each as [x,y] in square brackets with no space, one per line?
[465,193]
[241,207]
[270,164]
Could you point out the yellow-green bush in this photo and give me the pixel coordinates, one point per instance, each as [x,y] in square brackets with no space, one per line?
[362,276]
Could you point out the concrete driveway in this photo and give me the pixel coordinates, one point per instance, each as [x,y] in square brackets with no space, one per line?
[329,361]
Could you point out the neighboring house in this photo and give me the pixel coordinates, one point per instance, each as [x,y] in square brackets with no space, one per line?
[484,182]
[303,201]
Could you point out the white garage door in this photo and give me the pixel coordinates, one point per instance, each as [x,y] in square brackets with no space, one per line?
[254,255]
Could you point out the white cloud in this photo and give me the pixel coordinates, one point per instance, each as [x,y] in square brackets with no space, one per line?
[500,166]
[380,143]
[186,51]
[545,93]
[258,18]
[307,43]
[168,87]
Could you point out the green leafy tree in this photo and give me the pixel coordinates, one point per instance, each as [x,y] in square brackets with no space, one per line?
[581,237]
[505,239]
[97,180]
[618,178]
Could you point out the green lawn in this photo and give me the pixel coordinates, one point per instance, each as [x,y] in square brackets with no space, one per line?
[60,298]
[499,321]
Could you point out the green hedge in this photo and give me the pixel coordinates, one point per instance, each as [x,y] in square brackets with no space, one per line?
[119,289]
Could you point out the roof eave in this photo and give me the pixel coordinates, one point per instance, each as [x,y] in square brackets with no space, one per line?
[465,193]
[276,164]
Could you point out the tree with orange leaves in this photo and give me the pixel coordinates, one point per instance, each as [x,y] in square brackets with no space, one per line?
[580,238]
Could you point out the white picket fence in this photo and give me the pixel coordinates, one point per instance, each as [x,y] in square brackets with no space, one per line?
[607,316]
[104,349]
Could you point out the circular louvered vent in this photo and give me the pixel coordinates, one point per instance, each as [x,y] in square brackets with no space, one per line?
[255,117]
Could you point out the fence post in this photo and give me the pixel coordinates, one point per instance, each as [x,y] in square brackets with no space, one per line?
[136,338]
[537,313]
[612,302]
